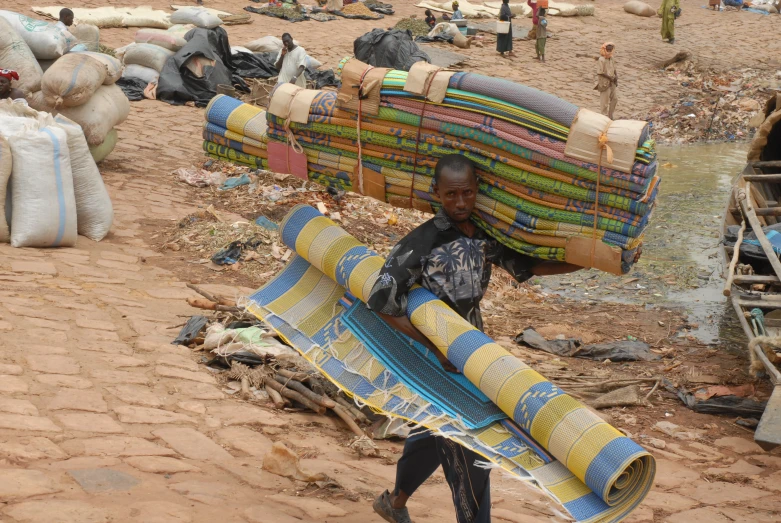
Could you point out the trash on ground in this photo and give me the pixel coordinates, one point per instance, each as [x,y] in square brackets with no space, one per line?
[191,330]
[199,177]
[615,351]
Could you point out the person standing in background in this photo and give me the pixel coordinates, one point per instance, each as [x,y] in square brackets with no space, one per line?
[66,20]
[533,33]
[607,80]
[504,42]
[668,12]
[542,34]
[457,14]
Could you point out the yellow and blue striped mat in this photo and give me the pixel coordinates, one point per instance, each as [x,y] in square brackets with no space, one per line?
[590,468]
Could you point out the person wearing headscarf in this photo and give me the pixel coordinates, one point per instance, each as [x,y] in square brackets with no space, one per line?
[533,33]
[457,14]
[6,91]
[607,80]
[504,42]
[668,12]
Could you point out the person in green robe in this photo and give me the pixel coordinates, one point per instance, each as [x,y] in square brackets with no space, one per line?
[668,13]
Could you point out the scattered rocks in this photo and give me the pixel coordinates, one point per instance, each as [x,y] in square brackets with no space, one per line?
[198,391]
[34,267]
[740,468]
[119,376]
[245,415]
[10,370]
[85,462]
[668,501]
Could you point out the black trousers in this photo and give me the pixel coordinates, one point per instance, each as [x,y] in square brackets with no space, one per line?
[470,485]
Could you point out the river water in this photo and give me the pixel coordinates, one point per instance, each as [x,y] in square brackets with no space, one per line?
[681,264]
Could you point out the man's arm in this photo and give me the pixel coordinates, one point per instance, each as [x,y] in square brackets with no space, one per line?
[403,325]
[300,71]
[522,267]
[282,53]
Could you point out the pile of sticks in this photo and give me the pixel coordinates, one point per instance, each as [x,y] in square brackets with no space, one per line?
[285,386]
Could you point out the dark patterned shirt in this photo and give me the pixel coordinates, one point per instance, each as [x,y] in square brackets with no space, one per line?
[456,268]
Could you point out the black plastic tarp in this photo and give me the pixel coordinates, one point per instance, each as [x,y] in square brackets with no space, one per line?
[393,48]
[132,87]
[254,65]
[178,85]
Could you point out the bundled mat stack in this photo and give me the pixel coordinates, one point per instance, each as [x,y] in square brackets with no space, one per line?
[498,406]
[81,86]
[236,132]
[537,155]
[56,190]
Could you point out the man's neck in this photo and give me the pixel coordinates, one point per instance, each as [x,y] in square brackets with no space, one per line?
[466,227]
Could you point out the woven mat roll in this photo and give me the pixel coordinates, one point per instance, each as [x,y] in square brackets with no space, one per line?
[612,465]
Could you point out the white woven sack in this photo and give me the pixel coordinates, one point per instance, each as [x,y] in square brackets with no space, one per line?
[148,55]
[114,67]
[44,39]
[87,35]
[139,71]
[72,80]
[94,211]
[107,108]
[198,16]
[43,210]
[16,55]
[5,174]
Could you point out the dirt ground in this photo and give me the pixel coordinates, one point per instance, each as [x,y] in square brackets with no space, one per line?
[101,419]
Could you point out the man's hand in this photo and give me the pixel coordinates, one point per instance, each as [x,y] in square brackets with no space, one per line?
[294,80]
[284,51]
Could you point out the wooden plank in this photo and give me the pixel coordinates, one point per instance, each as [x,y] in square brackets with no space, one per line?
[767,211]
[772,163]
[751,216]
[755,278]
[735,255]
[762,177]
[768,433]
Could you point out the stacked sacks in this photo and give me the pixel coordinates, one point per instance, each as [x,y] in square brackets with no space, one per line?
[56,190]
[80,86]
[145,58]
[537,156]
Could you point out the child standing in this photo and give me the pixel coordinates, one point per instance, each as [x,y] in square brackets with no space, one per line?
[542,34]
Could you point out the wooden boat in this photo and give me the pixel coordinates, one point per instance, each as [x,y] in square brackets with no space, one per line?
[752,268]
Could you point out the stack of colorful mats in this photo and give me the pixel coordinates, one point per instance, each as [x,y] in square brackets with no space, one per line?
[536,192]
[498,406]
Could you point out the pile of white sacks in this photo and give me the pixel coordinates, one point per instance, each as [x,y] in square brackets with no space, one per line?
[144,59]
[73,82]
[50,187]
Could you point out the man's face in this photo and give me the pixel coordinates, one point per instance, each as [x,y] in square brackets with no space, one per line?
[67,20]
[457,190]
[5,84]
[609,48]
[288,42]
